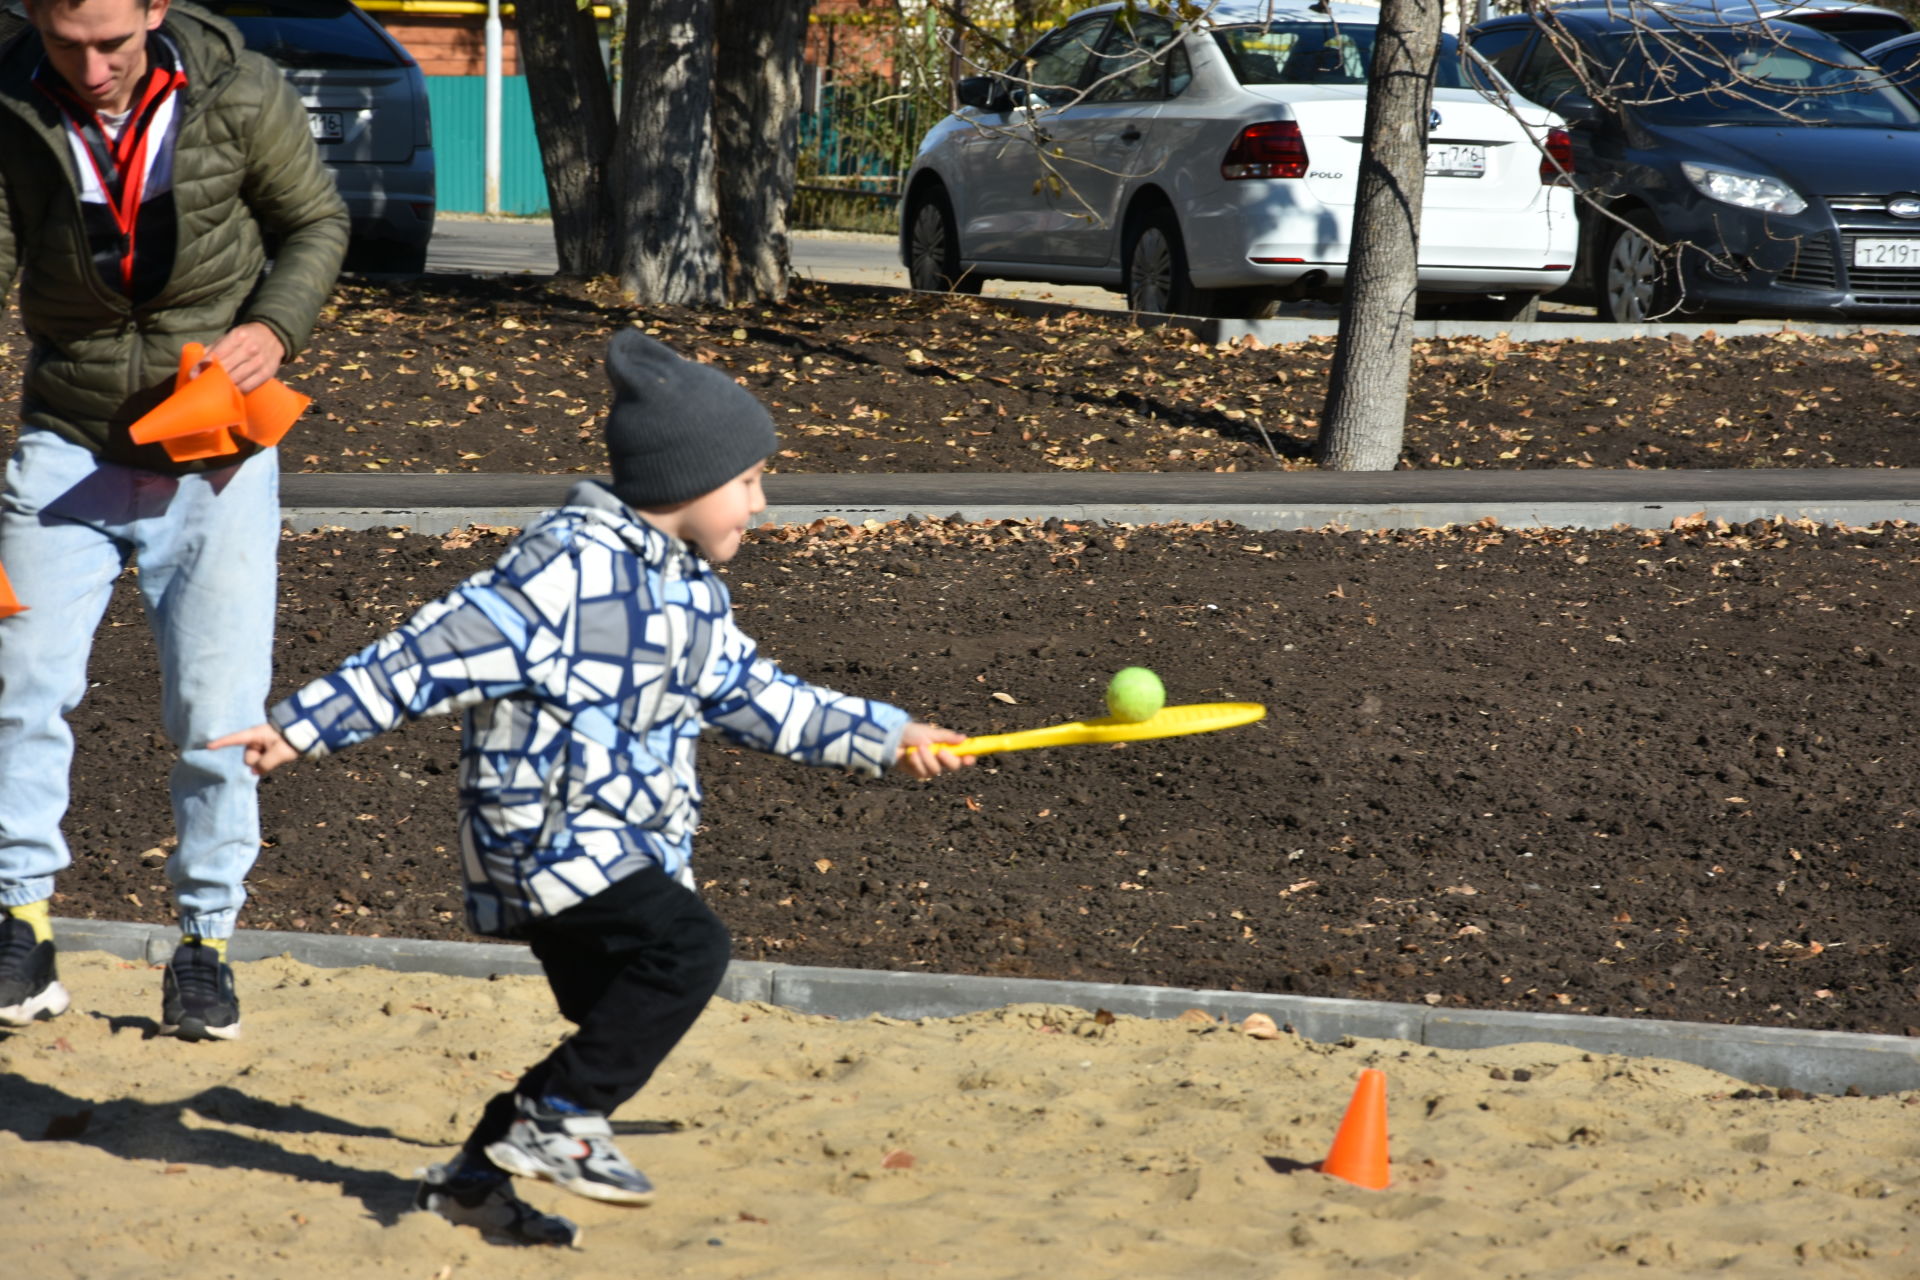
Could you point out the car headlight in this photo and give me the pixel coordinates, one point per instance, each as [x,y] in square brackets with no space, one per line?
[1748,190]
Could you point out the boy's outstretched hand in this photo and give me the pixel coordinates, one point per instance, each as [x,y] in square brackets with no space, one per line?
[919,755]
[266,749]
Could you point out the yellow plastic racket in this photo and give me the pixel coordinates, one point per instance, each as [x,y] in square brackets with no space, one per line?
[1170,722]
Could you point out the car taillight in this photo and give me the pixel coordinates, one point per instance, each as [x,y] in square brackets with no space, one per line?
[1274,149]
[1556,166]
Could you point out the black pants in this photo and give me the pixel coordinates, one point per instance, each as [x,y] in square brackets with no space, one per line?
[632,968]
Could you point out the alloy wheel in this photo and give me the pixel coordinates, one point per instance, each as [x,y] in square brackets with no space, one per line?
[1151,276]
[927,249]
[1633,277]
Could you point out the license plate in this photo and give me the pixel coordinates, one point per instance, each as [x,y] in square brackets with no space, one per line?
[327,126]
[1456,160]
[1886,253]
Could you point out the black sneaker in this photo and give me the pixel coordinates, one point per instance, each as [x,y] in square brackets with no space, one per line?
[197,1000]
[30,989]
[570,1149]
[489,1206]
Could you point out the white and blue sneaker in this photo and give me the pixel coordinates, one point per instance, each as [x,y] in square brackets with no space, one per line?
[572,1149]
[488,1205]
[30,989]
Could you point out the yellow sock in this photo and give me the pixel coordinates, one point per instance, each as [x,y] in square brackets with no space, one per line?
[39,918]
[216,945]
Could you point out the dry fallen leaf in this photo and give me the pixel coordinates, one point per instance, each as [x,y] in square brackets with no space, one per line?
[897,1159]
[1260,1027]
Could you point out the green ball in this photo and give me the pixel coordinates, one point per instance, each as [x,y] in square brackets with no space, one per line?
[1135,694]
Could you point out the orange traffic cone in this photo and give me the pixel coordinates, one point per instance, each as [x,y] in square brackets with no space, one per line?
[272,408]
[195,420]
[9,603]
[1359,1152]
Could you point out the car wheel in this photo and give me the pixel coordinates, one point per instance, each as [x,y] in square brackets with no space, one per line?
[933,246]
[1156,269]
[1637,281]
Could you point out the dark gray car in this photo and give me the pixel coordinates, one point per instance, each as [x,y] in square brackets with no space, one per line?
[367,103]
[1779,167]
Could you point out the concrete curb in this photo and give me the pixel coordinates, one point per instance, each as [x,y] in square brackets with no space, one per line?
[1775,1057]
[1279,500]
[1301,328]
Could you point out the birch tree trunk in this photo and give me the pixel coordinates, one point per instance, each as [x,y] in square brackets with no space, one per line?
[756,127]
[572,103]
[1364,420]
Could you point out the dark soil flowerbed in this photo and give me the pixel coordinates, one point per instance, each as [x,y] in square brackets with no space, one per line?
[449,373]
[1656,774]
[1660,774]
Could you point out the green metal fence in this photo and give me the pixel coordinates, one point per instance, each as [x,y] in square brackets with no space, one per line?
[459,105]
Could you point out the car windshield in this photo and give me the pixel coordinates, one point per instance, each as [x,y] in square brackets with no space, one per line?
[1315,53]
[320,34]
[1748,76]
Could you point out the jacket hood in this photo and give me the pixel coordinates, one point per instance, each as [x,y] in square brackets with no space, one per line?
[593,499]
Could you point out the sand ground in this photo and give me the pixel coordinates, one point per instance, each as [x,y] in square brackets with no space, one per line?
[1033,1140]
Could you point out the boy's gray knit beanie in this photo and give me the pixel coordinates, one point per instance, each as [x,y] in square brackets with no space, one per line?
[677,429]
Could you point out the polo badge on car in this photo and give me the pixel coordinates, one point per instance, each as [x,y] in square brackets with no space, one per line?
[1904,206]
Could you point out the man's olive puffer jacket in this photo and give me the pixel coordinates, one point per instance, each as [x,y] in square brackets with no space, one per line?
[245,171]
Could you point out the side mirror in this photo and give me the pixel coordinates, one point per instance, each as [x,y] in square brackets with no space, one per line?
[982,93]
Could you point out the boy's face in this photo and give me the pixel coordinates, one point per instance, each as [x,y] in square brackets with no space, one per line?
[715,522]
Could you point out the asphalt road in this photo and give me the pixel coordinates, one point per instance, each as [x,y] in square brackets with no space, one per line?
[469,244]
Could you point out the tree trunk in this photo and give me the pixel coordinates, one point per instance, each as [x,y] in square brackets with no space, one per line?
[756,131]
[1365,416]
[573,121]
[667,242]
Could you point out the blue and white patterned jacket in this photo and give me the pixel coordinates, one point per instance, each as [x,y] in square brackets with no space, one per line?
[587,659]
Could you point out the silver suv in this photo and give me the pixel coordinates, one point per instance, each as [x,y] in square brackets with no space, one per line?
[367,103]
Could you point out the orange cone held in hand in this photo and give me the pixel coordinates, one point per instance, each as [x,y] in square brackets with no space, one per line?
[190,355]
[9,603]
[1359,1152]
[272,408]
[195,420]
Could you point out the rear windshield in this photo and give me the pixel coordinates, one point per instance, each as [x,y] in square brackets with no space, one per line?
[1750,76]
[1316,53]
[307,33]
[1858,32]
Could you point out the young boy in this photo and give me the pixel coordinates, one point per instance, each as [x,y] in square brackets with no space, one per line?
[588,660]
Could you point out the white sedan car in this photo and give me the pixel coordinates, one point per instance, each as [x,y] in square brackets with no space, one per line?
[1211,169]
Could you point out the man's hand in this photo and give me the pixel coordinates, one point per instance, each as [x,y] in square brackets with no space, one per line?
[250,353]
[266,749]
[920,756]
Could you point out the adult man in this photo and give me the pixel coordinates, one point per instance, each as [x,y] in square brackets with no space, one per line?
[146,162]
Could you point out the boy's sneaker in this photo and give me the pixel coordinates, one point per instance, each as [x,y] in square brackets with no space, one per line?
[197,1000]
[570,1149]
[30,989]
[490,1207]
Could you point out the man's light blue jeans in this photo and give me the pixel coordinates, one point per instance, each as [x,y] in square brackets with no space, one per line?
[207,547]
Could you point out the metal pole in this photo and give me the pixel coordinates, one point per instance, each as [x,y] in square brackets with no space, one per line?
[493,107]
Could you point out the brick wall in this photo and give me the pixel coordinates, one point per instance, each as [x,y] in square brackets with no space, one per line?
[451,45]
